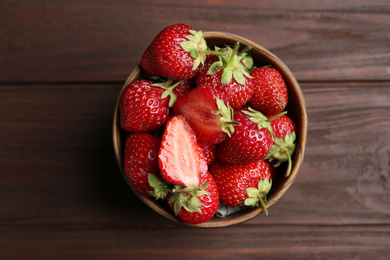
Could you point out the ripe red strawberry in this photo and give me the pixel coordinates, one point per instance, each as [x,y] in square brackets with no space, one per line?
[140,160]
[284,143]
[174,89]
[175,53]
[183,87]
[196,206]
[270,91]
[181,157]
[244,184]
[141,107]
[207,114]
[250,141]
[210,152]
[228,74]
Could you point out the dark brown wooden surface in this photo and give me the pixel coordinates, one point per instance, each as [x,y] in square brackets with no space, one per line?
[62,65]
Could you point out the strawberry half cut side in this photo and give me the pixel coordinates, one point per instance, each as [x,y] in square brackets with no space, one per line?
[181,157]
[207,114]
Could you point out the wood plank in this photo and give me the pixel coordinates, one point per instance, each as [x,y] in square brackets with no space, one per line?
[58,165]
[103,40]
[240,242]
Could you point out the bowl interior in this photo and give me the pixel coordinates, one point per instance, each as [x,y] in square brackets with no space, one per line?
[296,109]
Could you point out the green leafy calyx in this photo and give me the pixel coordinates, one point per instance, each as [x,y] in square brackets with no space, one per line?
[188,198]
[233,64]
[196,46]
[227,115]
[261,120]
[168,86]
[282,150]
[160,188]
[257,196]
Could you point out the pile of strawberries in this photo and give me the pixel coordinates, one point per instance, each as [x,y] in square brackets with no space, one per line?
[206,127]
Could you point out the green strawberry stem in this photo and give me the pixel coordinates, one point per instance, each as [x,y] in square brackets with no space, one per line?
[256,195]
[277,115]
[231,64]
[208,52]
[233,57]
[172,95]
[263,205]
[227,115]
[282,151]
[168,90]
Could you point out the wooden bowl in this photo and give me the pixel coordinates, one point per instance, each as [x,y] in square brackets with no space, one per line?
[296,110]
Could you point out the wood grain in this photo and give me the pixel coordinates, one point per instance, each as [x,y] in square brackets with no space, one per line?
[101,40]
[57,153]
[62,65]
[249,242]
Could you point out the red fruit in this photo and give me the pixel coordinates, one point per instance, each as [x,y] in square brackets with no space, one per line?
[141,107]
[210,152]
[282,126]
[284,142]
[181,157]
[196,206]
[250,141]
[147,61]
[183,87]
[140,159]
[228,74]
[174,89]
[270,91]
[175,53]
[244,184]
[205,111]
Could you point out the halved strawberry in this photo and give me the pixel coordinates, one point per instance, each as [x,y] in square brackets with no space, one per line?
[207,114]
[181,157]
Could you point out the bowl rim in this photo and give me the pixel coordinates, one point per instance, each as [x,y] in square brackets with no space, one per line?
[298,154]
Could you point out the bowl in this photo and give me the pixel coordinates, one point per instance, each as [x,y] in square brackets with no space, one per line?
[296,109]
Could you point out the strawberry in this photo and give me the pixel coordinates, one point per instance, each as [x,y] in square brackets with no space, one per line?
[210,152]
[227,73]
[181,157]
[196,206]
[270,91]
[207,114]
[284,143]
[251,140]
[183,87]
[244,184]
[175,53]
[140,160]
[141,107]
[174,88]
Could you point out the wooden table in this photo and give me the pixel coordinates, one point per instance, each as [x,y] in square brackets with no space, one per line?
[62,65]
